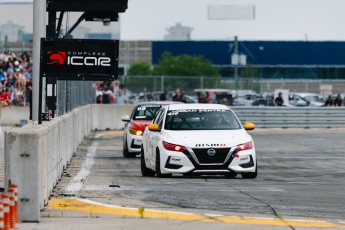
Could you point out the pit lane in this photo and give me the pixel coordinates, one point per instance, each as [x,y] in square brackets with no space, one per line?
[300,175]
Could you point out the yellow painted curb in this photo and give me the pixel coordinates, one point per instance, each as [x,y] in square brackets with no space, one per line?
[87,206]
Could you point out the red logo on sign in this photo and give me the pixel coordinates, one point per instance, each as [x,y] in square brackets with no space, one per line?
[56,57]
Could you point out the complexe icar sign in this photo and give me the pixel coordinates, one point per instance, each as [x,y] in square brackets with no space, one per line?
[79,59]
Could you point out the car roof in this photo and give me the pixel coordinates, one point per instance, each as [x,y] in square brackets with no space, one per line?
[197,106]
[307,94]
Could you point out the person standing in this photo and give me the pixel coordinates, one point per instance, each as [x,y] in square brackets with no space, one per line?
[329,101]
[338,101]
[120,97]
[163,96]
[177,95]
[279,101]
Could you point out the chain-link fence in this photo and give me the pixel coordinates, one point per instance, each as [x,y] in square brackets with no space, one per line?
[138,84]
[72,94]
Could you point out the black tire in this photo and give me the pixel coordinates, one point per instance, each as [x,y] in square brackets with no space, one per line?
[251,175]
[144,170]
[126,153]
[158,167]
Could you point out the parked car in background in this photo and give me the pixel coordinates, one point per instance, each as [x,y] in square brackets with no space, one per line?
[246,99]
[263,101]
[306,99]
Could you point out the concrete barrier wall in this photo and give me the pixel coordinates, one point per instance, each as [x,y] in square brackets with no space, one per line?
[109,116]
[36,155]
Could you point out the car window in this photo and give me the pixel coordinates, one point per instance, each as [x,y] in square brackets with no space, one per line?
[155,121]
[160,119]
[200,119]
[145,112]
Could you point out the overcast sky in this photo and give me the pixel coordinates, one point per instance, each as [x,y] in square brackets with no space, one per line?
[274,20]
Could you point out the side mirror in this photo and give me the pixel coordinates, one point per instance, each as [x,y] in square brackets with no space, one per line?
[125,118]
[153,127]
[248,126]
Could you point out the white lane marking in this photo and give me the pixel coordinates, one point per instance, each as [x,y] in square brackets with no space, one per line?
[299,157]
[159,188]
[128,208]
[77,182]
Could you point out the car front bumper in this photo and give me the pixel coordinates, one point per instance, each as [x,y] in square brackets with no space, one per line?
[192,161]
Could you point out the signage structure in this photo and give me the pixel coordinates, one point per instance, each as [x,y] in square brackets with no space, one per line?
[79,59]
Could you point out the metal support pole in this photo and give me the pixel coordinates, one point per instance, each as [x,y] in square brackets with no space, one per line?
[236,64]
[58,29]
[81,18]
[51,33]
[38,33]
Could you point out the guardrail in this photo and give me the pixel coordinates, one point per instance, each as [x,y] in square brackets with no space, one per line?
[293,117]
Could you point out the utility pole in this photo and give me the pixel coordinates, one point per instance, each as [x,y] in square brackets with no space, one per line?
[236,63]
[39,32]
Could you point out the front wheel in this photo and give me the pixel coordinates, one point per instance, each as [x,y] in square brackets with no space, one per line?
[126,153]
[144,170]
[251,175]
[158,167]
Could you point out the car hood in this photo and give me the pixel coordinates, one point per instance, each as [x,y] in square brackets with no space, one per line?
[206,139]
[140,124]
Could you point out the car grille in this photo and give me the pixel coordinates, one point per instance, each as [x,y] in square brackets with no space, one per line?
[218,158]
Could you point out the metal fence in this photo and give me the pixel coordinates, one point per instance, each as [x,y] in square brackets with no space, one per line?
[72,94]
[139,84]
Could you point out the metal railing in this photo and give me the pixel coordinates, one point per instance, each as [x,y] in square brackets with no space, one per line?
[139,84]
[287,117]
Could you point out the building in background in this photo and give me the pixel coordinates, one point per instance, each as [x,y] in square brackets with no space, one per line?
[11,32]
[178,33]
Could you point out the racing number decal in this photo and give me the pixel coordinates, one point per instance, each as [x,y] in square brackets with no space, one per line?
[173,113]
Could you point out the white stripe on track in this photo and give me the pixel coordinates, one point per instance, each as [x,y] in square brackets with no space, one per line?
[77,182]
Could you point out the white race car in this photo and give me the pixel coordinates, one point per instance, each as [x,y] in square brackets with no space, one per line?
[198,139]
[142,115]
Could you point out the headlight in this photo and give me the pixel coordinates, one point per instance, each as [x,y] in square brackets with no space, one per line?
[173,147]
[245,146]
[135,132]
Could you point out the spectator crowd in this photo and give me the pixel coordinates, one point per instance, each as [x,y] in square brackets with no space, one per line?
[15,78]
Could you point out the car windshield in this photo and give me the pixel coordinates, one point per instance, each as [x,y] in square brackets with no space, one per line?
[201,119]
[146,112]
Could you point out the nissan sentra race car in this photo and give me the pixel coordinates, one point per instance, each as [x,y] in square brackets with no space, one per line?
[198,139]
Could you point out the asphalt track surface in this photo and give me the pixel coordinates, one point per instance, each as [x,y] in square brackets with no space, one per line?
[300,185]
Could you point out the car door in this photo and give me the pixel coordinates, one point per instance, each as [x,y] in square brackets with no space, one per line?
[153,136]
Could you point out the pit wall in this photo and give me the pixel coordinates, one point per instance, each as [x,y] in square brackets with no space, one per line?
[36,155]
